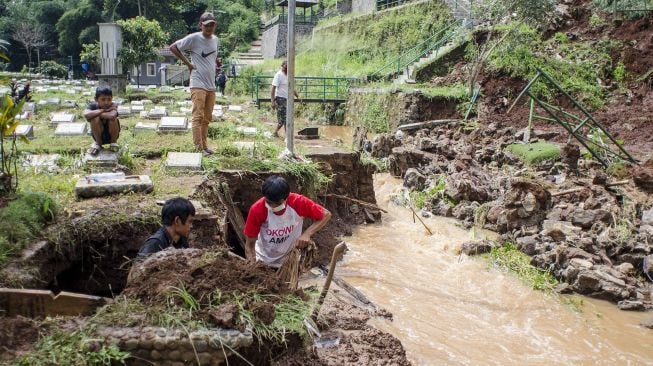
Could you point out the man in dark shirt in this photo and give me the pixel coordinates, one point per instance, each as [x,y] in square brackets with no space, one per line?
[177,220]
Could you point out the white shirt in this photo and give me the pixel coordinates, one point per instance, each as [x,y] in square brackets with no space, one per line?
[277,236]
[281,82]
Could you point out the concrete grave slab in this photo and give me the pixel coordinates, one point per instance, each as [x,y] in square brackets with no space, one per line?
[245,145]
[217,114]
[124,110]
[104,159]
[146,126]
[25,130]
[173,124]
[29,107]
[235,108]
[137,108]
[87,94]
[186,110]
[157,112]
[185,103]
[118,101]
[147,101]
[42,102]
[100,185]
[71,91]
[247,131]
[184,161]
[71,129]
[62,118]
[24,116]
[47,161]
[69,104]
[165,89]
[142,114]
[53,101]
[136,102]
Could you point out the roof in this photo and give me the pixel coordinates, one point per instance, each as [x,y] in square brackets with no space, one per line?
[299,3]
[165,51]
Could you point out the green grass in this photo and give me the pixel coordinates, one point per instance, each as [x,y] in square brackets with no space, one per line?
[509,259]
[22,220]
[535,153]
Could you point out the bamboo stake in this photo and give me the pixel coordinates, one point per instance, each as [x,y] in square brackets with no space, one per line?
[362,203]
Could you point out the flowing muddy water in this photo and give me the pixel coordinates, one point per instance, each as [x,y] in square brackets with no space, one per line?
[451,309]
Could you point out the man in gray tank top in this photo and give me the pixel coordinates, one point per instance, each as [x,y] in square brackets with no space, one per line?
[203,49]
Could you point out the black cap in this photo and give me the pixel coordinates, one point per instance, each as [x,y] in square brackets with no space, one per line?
[207,18]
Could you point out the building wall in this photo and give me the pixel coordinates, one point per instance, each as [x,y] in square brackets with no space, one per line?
[363,6]
[275,39]
[344,7]
[151,80]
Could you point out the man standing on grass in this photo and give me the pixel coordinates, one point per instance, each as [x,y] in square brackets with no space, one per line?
[203,48]
[279,96]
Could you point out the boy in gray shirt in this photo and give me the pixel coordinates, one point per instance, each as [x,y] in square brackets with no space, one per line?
[203,48]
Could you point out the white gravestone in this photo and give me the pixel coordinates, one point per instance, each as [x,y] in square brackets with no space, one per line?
[173,124]
[235,108]
[25,130]
[184,161]
[71,129]
[146,126]
[62,118]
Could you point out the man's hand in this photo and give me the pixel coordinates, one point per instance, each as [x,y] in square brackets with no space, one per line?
[303,241]
[111,109]
[191,67]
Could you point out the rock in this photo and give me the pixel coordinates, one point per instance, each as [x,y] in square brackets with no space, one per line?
[527,244]
[466,187]
[465,210]
[647,265]
[587,282]
[570,154]
[475,248]
[442,208]
[643,176]
[413,179]
[647,217]
[600,178]
[581,263]
[647,323]
[560,230]
[625,268]
[587,218]
[564,288]
[631,305]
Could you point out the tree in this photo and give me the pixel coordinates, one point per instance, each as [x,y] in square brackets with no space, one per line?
[31,37]
[90,53]
[141,41]
[78,24]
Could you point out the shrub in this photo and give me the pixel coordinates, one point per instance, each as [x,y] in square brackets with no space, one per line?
[52,69]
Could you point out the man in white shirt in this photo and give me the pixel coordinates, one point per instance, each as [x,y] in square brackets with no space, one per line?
[279,96]
[203,48]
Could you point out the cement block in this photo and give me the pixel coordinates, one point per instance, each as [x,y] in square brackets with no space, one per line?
[142,114]
[245,145]
[146,101]
[146,126]
[24,116]
[29,107]
[94,186]
[136,102]
[235,108]
[137,108]
[71,129]
[165,89]
[157,112]
[25,130]
[217,114]
[186,110]
[186,103]
[247,131]
[184,161]
[62,118]
[53,101]
[124,110]
[47,161]
[173,124]
[69,104]
[104,159]
[119,101]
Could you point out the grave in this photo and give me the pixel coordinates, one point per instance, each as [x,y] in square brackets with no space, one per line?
[47,161]
[142,114]
[184,161]
[173,124]
[105,184]
[53,101]
[186,103]
[157,112]
[87,94]
[24,116]
[105,159]
[71,91]
[165,89]
[147,101]
[124,111]
[42,102]
[69,104]
[146,126]
[186,110]
[235,108]
[29,107]
[119,101]
[137,108]
[25,130]
[308,133]
[71,129]
[247,131]
[136,102]
[62,118]
[245,145]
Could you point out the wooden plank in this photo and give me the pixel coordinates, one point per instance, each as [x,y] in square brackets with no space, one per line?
[234,215]
[427,124]
[40,303]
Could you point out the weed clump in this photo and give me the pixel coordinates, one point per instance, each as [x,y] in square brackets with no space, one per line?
[510,259]
[535,153]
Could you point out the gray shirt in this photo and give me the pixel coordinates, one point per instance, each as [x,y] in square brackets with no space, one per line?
[203,53]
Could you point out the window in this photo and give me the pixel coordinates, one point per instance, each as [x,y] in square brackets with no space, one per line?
[151,69]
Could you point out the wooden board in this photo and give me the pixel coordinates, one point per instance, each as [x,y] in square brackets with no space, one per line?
[39,303]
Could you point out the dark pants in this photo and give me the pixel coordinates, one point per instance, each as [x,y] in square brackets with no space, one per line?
[221,89]
[282,104]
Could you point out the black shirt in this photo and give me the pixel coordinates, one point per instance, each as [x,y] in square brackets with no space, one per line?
[160,241]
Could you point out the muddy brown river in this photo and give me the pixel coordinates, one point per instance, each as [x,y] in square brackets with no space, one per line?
[458,310]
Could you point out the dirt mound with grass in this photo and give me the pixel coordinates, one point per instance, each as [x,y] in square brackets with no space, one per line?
[17,335]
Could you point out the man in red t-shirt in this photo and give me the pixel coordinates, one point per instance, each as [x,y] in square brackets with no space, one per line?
[274,223]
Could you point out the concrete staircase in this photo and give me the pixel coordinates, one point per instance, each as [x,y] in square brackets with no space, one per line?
[408,76]
[252,57]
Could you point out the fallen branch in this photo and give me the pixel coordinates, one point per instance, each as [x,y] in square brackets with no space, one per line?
[420,220]
[576,190]
[362,203]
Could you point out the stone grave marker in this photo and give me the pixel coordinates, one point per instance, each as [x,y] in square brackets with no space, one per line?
[42,102]
[47,161]
[136,102]
[104,159]
[165,89]
[137,108]
[69,104]
[157,112]
[29,107]
[25,130]
[173,124]
[185,110]
[186,103]
[53,101]
[124,111]
[147,101]
[146,126]
[71,129]
[87,94]
[62,118]
[247,131]
[142,114]
[184,161]
[119,101]
[105,184]
[245,145]
[235,108]
[24,116]
[217,114]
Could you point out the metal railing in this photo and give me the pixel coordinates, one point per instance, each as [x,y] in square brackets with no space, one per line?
[299,19]
[387,4]
[396,66]
[634,7]
[310,88]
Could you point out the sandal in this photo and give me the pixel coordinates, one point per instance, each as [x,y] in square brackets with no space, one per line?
[94,149]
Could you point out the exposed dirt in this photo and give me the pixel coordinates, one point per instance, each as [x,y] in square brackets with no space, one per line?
[358,342]
[17,336]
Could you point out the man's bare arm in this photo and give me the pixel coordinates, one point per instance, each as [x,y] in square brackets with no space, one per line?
[175,51]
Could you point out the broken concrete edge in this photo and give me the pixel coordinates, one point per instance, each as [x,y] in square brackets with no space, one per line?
[135,184]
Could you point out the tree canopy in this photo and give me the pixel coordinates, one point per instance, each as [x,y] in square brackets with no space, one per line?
[141,41]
